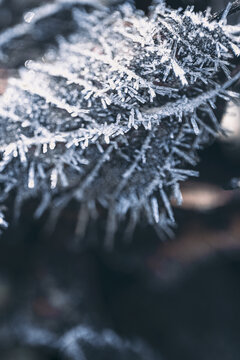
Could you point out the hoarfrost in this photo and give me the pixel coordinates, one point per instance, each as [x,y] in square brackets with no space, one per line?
[115,115]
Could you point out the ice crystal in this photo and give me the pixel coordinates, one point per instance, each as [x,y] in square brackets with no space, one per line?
[113,118]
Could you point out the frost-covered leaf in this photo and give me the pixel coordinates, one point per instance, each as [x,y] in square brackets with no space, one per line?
[113,118]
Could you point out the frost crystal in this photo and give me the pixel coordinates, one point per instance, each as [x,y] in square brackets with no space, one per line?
[115,115]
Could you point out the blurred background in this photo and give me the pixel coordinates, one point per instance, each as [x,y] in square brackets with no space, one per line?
[181,296]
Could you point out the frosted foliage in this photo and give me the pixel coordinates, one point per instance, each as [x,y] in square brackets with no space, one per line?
[113,118]
[79,343]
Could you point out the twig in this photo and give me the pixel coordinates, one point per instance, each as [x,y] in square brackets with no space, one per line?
[234,8]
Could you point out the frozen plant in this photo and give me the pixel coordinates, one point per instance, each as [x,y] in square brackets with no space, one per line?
[79,343]
[114,117]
